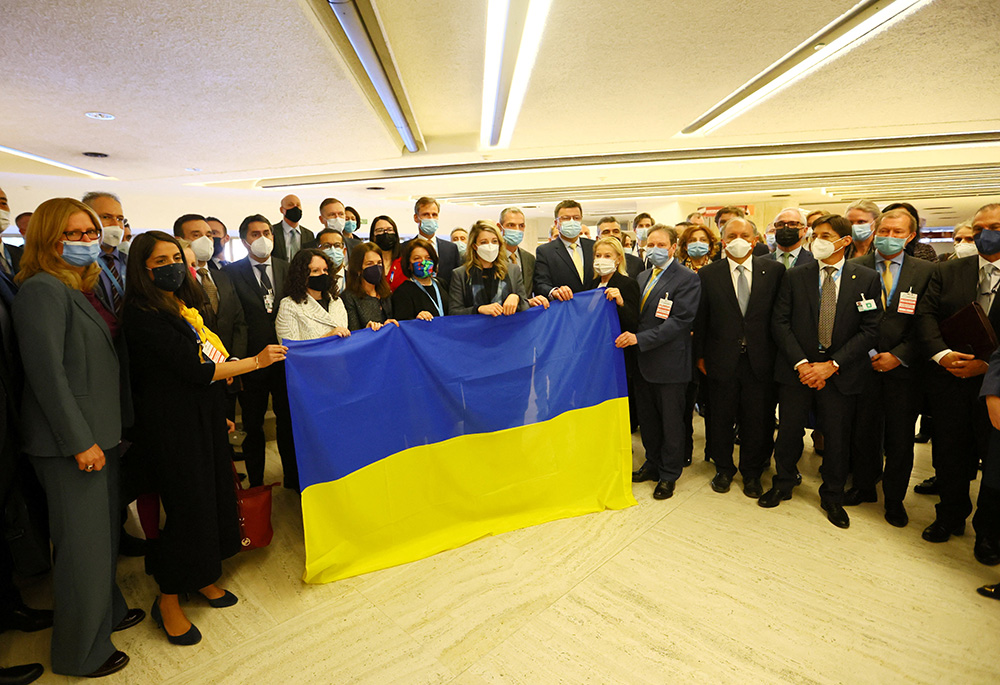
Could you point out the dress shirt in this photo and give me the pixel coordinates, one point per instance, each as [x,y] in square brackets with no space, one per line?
[993,287]
[735,274]
[794,254]
[256,272]
[289,232]
[839,266]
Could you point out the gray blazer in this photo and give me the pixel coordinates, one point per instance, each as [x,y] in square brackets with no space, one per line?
[71,393]
[512,284]
[526,261]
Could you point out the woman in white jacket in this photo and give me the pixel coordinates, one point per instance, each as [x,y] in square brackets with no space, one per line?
[311,307]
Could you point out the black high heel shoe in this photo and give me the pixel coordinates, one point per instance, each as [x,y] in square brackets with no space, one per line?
[191,637]
[227,600]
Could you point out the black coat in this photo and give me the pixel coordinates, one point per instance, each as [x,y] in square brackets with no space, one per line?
[953,285]
[628,314]
[259,323]
[554,267]
[229,322]
[410,299]
[306,238]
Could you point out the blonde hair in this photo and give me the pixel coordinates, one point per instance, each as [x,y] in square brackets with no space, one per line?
[617,248]
[470,253]
[45,231]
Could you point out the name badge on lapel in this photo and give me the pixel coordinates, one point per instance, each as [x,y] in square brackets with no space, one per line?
[269,302]
[663,307]
[907,302]
[866,305]
[212,353]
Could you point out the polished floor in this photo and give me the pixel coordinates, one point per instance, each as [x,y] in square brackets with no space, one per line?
[701,588]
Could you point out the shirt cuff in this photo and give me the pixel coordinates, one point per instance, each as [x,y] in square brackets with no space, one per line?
[800,363]
[940,355]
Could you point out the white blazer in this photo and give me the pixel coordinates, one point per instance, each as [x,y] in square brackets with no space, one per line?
[308,320]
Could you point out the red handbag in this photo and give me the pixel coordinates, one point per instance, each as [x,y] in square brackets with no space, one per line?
[254,511]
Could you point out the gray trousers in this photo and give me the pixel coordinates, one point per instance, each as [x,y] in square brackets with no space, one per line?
[85,521]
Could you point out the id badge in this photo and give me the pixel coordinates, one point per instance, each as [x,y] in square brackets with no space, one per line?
[212,353]
[907,303]
[269,302]
[866,305]
[663,308]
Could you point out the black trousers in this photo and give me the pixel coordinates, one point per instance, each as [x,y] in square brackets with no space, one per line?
[885,416]
[835,412]
[661,420]
[959,441]
[748,401]
[258,386]
[987,518]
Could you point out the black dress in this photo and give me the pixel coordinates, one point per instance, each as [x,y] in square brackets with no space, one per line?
[411,298]
[181,434]
[365,309]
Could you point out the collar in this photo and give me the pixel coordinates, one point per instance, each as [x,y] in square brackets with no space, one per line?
[733,264]
[254,263]
[839,266]
[287,228]
[567,243]
[985,262]
[664,267]
[794,253]
[898,259]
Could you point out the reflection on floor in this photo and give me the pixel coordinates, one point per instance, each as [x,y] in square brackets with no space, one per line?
[699,588]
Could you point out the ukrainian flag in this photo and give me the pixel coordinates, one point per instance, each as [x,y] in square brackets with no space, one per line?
[422,438]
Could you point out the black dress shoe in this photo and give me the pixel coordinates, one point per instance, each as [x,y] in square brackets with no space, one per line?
[131,546]
[856,496]
[646,472]
[895,514]
[773,498]
[991,591]
[21,675]
[721,482]
[940,532]
[687,459]
[927,487]
[26,619]
[664,490]
[798,479]
[115,663]
[752,488]
[837,515]
[132,618]
[987,551]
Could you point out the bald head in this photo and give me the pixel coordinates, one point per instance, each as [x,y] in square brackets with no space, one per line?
[291,209]
[738,228]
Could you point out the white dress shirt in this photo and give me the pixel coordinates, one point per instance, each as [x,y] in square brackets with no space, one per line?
[735,274]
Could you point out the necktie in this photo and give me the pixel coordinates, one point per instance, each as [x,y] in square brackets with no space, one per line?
[886,283]
[4,264]
[577,259]
[986,287]
[210,289]
[649,286]
[785,258]
[827,307]
[293,243]
[742,288]
[116,299]
[264,280]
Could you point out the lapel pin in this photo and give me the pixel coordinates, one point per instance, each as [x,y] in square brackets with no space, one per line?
[853,276]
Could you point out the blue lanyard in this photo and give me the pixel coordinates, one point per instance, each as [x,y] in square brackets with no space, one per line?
[437,294]
[111,277]
[895,282]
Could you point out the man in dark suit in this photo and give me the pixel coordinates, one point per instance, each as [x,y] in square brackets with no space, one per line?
[512,225]
[734,349]
[288,236]
[961,424]
[790,231]
[425,214]
[10,255]
[608,227]
[220,237]
[888,406]
[259,280]
[667,309]
[565,265]
[333,215]
[825,320]
[987,518]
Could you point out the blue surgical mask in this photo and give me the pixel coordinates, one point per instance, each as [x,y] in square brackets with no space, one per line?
[888,246]
[512,236]
[861,232]
[640,233]
[697,250]
[658,256]
[80,253]
[350,226]
[988,242]
[570,229]
[335,254]
[428,226]
[462,247]
[769,238]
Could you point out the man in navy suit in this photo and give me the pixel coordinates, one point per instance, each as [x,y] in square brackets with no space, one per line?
[425,214]
[826,319]
[790,229]
[667,309]
[565,265]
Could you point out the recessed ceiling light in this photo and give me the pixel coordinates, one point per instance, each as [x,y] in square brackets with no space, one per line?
[192,168]
[782,195]
[375,188]
[95,155]
[819,46]
[100,116]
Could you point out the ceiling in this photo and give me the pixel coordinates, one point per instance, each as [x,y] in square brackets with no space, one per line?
[255,94]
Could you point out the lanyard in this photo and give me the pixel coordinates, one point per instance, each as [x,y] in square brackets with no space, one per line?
[437,294]
[895,282]
[111,277]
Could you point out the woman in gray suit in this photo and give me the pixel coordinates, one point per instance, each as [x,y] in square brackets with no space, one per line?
[71,423]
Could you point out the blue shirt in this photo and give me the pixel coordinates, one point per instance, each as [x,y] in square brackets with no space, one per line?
[120,264]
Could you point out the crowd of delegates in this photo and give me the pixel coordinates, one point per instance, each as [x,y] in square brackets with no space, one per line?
[124,360]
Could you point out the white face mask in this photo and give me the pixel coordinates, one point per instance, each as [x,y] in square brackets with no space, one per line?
[124,247]
[604,266]
[738,248]
[822,249]
[203,248]
[4,219]
[965,249]
[336,223]
[261,248]
[112,235]
[488,252]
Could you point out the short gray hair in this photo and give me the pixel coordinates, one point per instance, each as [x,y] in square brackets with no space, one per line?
[510,210]
[669,230]
[801,212]
[89,198]
[865,206]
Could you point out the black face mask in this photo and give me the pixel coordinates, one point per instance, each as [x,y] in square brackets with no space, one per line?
[169,277]
[786,237]
[320,282]
[372,274]
[217,250]
[386,241]
[293,214]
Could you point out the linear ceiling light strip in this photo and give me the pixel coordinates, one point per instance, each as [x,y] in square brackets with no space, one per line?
[51,162]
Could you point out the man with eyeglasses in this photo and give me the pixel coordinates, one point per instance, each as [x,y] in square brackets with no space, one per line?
[790,228]
[112,261]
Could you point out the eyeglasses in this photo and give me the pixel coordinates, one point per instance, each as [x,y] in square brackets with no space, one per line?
[788,224]
[383,230]
[74,236]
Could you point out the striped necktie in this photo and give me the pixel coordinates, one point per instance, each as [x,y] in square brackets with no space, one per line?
[649,286]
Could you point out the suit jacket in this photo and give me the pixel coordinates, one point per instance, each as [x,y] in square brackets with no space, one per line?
[11,386]
[991,381]
[14,253]
[554,267]
[448,260]
[795,325]
[526,262]
[953,285]
[805,257]
[69,405]
[633,265]
[228,322]
[306,239]
[628,314]
[721,330]
[898,333]
[761,249]
[512,284]
[665,344]
[260,324]
[308,320]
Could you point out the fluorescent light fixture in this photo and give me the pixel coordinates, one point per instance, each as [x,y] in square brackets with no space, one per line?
[496,30]
[863,21]
[357,33]
[51,162]
[100,116]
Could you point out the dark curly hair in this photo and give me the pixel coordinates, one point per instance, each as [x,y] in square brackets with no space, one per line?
[404,259]
[298,275]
